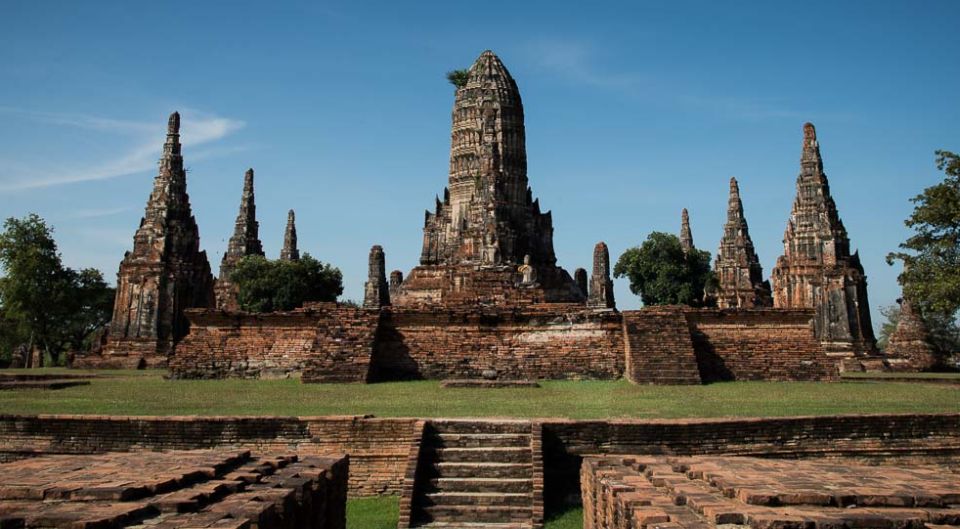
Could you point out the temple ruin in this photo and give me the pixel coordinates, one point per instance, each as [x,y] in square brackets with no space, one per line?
[290,252]
[817,269]
[909,347]
[487,225]
[737,267]
[244,241]
[164,274]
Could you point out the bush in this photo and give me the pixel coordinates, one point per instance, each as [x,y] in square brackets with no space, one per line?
[267,286]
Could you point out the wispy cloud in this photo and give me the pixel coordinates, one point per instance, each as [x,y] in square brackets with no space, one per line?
[198,129]
[580,62]
[94,213]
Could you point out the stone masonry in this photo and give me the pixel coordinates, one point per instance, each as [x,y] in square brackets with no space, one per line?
[817,269]
[737,266]
[376,292]
[909,346]
[601,286]
[290,251]
[487,225]
[165,273]
[244,241]
[686,236]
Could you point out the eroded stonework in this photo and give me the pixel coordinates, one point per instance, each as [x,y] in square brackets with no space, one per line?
[165,273]
[290,252]
[478,236]
[245,241]
[909,347]
[817,269]
[737,267]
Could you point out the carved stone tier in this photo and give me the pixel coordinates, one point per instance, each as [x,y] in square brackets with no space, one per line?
[165,272]
[737,267]
[817,270]
[488,226]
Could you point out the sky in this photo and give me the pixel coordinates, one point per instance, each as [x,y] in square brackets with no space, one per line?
[634,110]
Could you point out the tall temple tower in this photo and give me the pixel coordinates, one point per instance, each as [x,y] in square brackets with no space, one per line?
[686,235]
[816,269]
[165,272]
[244,241]
[487,224]
[738,270]
[290,252]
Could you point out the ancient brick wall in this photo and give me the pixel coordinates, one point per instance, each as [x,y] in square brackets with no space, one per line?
[539,341]
[336,340]
[758,344]
[377,447]
[659,349]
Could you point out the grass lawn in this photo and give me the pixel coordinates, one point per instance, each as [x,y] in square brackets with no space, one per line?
[945,376]
[383,512]
[147,393]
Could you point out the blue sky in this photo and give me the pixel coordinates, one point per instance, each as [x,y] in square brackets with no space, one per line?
[634,111]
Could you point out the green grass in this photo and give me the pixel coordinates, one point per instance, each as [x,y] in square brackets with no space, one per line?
[139,393]
[571,518]
[378,512]
[869,374]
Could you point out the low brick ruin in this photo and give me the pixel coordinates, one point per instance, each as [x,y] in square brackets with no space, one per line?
[224,489]
[621,492]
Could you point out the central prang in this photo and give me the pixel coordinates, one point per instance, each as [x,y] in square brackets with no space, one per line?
[488,227]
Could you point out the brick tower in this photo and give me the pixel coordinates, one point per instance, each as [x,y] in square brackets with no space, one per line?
[479,236]
[165,272]
[245,241]
[817,269]
[738,270]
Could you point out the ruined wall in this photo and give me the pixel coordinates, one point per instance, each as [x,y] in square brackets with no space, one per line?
[244,345]
[658,347]
[539,341]
[758,344]
[377,447]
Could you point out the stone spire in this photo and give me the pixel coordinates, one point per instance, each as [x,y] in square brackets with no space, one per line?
[580,278]
[910,341]
[601,286]
[164,273]
[376,292]
[737,267]
[290,251]
[686,236]
[396,280]
[488,215]
[486,225]
[817,269]
[244,241]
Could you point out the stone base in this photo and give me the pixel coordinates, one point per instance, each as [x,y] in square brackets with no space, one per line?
[498,285]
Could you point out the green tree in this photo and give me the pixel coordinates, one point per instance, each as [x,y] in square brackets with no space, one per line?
[267,286]
[662,274]
[892,315]
[42,303]
[931,256]
[458,78]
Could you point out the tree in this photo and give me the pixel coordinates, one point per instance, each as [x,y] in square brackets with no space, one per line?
[661,273]
[458,78]
[42,303]
[892,315]
[267,286]
[931,257]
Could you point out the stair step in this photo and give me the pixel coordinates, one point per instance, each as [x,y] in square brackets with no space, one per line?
[468,440]
[482,484]
[481,426]
[482,470]
[503,499]
[477,513]
[497,454]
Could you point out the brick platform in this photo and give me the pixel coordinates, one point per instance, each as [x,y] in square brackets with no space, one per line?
[181,489]
[703,492]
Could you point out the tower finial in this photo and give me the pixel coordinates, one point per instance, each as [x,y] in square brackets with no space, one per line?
[686,236]
[290,252]
[173,124]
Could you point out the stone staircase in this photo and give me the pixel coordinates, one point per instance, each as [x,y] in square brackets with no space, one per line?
[659,347]
[478,474]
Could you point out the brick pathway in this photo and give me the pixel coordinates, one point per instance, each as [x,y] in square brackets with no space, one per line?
[166,490]
[705,492]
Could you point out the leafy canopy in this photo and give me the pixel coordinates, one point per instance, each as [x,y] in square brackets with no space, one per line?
[931,256]
[43,303]
[662,274]
[458,78]
[267,286]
